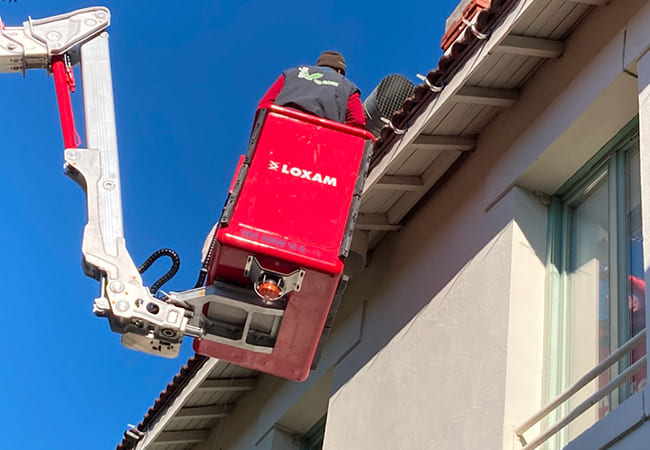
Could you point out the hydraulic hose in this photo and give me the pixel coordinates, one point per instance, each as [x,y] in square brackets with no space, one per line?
[176,264]
[206,262]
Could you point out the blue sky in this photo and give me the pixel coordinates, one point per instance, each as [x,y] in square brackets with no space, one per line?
[187,77]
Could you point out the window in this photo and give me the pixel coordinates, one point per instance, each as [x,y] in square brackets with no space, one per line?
[313,439]
[595,284]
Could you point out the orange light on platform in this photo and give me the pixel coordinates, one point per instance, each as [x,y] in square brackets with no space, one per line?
[269,290]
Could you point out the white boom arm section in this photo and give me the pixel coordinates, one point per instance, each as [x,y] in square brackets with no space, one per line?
[146,323]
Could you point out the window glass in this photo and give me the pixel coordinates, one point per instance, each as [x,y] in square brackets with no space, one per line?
[597,292]
[588,281]
[635,281]
[588,306]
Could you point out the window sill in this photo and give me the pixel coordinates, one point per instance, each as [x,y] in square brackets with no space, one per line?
[613,427]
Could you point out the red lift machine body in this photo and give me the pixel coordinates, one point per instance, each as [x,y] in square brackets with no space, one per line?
[289,219]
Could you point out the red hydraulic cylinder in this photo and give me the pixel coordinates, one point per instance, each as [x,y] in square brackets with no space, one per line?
[291,212]
[62,85]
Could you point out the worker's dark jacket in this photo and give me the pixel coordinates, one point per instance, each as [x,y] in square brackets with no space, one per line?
[321,91]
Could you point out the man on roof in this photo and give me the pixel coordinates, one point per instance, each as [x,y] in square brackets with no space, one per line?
[321,90]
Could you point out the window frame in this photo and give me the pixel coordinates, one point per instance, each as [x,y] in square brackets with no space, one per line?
[610,162]
[313,439]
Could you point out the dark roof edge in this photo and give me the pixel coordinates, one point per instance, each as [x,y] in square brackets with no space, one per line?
[181,379]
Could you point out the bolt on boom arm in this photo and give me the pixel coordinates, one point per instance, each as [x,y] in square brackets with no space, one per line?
[56,44]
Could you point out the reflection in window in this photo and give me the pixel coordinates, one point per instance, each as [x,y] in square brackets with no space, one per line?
[597,298]
[588,281]
[635,284]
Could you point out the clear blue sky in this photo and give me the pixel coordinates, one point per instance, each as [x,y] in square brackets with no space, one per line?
[187,77]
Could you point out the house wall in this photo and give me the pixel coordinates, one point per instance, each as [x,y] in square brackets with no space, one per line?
[439,379]
[637,439]
[440,343]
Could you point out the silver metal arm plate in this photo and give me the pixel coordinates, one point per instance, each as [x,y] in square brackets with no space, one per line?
[146,323]
[32,45]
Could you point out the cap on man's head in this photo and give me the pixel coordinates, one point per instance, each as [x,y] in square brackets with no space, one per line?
[332,59]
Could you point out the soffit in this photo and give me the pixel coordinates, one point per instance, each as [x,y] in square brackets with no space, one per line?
[480,78]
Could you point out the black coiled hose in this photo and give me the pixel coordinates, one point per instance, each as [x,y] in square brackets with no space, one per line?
[206,262]
[176,264]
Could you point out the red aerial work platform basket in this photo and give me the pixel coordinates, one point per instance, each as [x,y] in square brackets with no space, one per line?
[284,234]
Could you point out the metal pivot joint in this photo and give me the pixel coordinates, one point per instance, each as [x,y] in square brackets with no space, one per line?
[33,45]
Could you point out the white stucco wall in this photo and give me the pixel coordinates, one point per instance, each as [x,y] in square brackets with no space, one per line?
[430,370]
[423,389]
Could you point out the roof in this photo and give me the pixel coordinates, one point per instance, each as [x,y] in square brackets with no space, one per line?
[482,72]
[449,62]
[203,392]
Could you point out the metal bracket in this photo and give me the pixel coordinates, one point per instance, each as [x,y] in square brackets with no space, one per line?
[231,315]
[286,282]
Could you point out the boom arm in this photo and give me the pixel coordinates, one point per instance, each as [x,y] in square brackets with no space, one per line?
[56,43]
[234,318]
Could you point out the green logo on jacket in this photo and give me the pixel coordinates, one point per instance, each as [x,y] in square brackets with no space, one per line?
[303,72]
